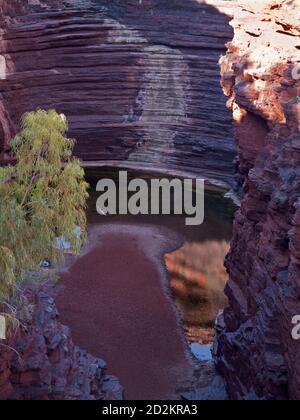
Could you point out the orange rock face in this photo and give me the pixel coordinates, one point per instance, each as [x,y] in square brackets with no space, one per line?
[255,350]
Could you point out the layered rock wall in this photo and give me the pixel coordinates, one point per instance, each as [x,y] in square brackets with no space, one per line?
[138,80]
[261,75]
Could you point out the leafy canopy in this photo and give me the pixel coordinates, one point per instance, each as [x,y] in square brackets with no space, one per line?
[42,197]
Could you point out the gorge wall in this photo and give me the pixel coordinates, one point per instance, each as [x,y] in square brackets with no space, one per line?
[40,362]
[137,80]
[139,83]
[254,349]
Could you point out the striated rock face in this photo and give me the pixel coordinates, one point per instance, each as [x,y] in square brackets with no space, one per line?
[255,350]
[42,362]
[138,80]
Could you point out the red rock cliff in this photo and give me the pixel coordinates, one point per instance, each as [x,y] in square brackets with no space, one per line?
[138,80]
[40,362]
[255,350]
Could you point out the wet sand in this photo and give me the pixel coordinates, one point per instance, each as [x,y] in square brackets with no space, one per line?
[115,300]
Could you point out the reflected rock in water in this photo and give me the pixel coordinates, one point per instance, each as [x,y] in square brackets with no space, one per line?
[197,279]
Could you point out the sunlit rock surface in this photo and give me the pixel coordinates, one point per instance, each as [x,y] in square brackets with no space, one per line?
[255,350]
[138,80]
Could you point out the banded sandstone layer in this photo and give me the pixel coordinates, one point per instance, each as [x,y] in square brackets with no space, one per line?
[138,81]
[254,347]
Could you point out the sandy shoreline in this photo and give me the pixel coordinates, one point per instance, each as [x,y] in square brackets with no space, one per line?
[115,299]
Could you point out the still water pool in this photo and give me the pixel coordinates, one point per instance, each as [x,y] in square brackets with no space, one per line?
[144,293]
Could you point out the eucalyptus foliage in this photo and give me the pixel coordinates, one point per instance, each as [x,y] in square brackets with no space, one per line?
[42,196]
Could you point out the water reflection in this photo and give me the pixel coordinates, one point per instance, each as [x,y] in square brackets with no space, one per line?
[198,278]
[202,352]
[196,270]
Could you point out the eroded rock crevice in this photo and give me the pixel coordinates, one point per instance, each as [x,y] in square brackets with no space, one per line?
[254,349]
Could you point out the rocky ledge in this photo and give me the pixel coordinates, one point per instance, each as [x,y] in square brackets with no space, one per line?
[254,349]
[40,361]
